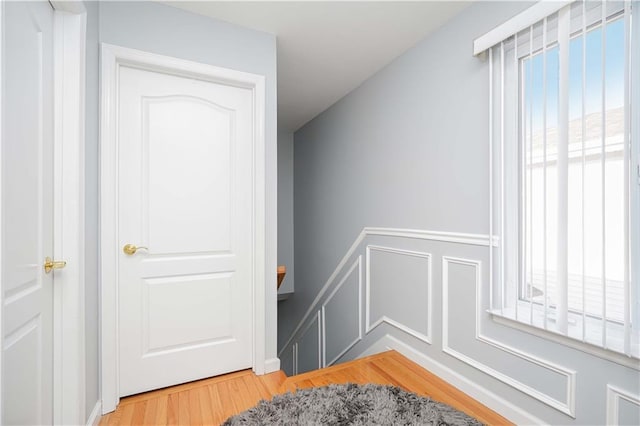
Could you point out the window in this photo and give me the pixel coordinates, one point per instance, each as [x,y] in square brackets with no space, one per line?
[564,204]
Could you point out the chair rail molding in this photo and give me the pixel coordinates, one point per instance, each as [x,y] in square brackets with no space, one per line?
[567,407]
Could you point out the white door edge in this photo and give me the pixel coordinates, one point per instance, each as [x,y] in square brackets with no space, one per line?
[112,58]
[70,38]
[2,25]
[69,378]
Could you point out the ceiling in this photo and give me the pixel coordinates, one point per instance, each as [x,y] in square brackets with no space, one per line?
[327,49]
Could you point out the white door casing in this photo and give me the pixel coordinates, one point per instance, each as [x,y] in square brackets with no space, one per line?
[192,304]
[27,213]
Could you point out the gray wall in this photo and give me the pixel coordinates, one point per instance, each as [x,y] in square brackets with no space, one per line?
[409,149]
[285,208]
[161,29]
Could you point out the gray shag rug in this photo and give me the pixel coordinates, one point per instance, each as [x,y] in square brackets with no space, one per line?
[351,405]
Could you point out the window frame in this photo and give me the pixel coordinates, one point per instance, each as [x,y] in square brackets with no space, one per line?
[497,313]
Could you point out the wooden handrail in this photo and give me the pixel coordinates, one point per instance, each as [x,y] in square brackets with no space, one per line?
[282,271]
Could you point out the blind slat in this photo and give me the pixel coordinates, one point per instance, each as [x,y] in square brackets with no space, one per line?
[562,167]
[603,154]
[627,160]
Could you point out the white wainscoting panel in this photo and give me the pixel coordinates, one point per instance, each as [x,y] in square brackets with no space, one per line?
[342,316]
[415,234]
[566,407]
[398,290]
[615,396]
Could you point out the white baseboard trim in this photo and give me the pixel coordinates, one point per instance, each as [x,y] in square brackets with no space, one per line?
[96,414]
[474,390]
[271,365]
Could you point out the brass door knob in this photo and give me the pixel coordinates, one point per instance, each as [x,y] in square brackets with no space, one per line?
[131,249]
[50,264]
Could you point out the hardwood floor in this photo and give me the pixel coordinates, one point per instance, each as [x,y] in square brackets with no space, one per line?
[211,401]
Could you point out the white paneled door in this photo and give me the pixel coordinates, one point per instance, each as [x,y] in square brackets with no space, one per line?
[184,229]
[27,213]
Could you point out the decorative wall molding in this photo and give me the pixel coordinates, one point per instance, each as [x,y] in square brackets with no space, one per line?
[385,319]
[294,348]
[614,395]
[356,264]
[567,407]
[420,234]
[448,237]
[474,390]
[317,321]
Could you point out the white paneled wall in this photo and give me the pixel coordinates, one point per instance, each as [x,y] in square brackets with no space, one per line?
[426,295]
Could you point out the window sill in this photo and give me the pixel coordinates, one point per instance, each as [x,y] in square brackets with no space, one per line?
[507,318]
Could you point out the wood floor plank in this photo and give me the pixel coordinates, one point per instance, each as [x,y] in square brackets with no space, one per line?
[227,404]
[138,413]
[127,415]
[206,411]
[252,390]
[172,409]
[161,410]
[184,386]
[184,412]
[212,401]
[273,381]
[262,389]
[195,412]
[218,411]
[151,408]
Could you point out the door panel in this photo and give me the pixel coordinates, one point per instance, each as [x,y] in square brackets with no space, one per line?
[27,292]
[194,318]
[184,195]
[187,137]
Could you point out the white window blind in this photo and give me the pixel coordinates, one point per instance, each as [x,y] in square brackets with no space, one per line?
[561,151]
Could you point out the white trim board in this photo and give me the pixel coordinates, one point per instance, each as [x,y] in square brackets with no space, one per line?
[112,58]
[2,13]
[447,237]
[70,23]
[473,389]
[567,407]
[614,395]
[385,319]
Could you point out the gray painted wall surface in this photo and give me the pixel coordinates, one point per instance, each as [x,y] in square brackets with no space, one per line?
[285,209]
[168,31]
[409,149]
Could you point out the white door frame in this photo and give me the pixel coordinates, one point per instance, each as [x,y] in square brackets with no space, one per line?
[69,41]
[69,396]
[112,58]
